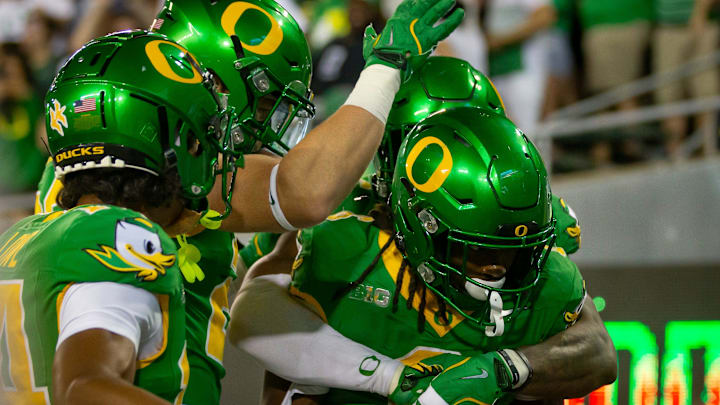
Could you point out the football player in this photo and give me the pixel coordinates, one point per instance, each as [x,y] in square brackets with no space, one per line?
[439,275]
[262,59]
[257,54]
[91,296]
[440,83]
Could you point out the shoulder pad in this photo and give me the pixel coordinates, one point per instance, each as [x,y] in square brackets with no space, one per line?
[107,243]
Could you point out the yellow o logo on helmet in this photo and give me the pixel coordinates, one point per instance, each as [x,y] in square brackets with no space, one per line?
[160,62]
[232,14]
[440,174]
[521,230]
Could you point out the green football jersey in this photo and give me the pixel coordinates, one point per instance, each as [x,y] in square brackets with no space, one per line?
[338,251]
[207,307]
[259,245]
[43,255]
[208,314]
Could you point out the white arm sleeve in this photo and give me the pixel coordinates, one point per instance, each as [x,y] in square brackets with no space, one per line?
[122,309]
[289,340]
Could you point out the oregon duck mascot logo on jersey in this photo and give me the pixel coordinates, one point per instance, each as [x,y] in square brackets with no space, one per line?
[137,250]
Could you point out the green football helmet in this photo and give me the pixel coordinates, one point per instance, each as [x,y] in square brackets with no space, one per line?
[137,100]
[440,83]
[469,182]
[258,53]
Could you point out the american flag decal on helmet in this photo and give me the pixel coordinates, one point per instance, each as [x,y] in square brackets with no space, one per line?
[84,105]
[157,24]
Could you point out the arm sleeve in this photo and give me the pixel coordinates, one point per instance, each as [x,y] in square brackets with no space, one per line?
[287,339]
[122,309]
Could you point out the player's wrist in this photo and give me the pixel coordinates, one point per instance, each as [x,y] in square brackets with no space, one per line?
[516,369]
[375,90]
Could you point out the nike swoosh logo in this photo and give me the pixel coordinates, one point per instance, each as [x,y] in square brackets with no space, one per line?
[470,377]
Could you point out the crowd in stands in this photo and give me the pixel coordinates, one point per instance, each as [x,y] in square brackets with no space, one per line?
[542,55]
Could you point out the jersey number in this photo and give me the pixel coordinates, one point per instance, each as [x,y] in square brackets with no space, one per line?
[16,373]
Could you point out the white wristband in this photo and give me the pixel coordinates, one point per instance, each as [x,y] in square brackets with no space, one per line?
[518,366]
[375,90]
[275,203]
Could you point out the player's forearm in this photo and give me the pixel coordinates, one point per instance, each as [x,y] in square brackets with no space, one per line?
[315,177]
[574,362]
[320,171]
[106,391]
[287,339]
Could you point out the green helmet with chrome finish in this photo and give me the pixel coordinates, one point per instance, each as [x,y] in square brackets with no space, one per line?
[258,54]
[469,185]
[137,100]
[440,83]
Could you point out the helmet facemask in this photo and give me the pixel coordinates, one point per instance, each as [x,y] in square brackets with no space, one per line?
[472,270]
[282,112]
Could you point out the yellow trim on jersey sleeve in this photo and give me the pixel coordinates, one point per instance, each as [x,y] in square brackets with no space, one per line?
[312,303]
[257,246]
[164,302]
[59,303]
[469,400]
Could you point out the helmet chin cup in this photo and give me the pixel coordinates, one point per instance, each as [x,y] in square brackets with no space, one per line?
[497,313]
[481,293]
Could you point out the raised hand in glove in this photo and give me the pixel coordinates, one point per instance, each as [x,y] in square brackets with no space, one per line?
[411,31]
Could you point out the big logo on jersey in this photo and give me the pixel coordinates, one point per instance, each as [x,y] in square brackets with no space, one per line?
[137,250]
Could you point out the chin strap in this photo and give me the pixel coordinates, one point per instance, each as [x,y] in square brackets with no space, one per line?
[497,316]
[496,304]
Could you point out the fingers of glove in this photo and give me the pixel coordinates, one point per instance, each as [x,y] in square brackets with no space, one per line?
[435,13]
[444,29]
[369,41]
[411,9]
[370,33]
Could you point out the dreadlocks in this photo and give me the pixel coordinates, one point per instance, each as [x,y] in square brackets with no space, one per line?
[383,219]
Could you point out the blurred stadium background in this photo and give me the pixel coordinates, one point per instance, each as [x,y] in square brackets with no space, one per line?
[621,96]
